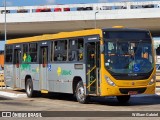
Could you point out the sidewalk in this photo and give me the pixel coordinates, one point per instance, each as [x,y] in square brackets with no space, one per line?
[16,93]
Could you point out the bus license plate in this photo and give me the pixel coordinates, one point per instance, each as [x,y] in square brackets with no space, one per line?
[132,92]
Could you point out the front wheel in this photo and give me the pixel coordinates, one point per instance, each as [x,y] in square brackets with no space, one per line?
[80,93]
[123,99]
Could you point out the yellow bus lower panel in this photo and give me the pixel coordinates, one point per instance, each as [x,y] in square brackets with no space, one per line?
[44,91]
[115,90]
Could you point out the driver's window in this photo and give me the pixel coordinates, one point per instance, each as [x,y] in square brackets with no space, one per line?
[111,48]
[123,48]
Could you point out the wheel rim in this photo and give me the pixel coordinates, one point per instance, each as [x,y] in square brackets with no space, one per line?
[28,89]
[81,94]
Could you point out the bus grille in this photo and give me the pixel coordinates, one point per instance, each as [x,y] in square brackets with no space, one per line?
[126,90]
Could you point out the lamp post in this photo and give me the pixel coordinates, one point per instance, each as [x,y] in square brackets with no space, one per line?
[5,29]
[95,24]
[5,32]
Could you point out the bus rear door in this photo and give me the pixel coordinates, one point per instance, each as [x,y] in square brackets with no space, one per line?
[44,66]
[16,64]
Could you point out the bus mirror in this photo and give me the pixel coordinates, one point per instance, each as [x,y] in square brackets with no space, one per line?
[102,48]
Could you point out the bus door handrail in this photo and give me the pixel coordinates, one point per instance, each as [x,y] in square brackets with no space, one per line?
[91,83]
[91,70]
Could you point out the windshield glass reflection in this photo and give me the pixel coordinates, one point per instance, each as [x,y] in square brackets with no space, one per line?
[122,56]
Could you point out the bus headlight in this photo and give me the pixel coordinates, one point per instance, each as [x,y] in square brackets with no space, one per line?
[109,81]
[153,80]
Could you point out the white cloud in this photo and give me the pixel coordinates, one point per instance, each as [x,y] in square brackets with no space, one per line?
[50,2]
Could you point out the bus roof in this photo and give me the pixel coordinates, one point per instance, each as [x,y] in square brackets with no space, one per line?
[63,35]
[60,35]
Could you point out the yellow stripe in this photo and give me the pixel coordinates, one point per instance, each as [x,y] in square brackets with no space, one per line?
[61,35]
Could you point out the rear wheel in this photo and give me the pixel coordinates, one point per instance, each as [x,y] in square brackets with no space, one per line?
[80,93]
[123,99]
[29,88]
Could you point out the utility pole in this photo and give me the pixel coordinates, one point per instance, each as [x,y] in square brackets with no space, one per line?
[5,24]
[5,32]
[95,20]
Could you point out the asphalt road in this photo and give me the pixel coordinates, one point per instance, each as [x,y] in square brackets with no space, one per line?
[66,104]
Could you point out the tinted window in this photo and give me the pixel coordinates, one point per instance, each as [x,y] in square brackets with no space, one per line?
[60,50]
[33,52]
[25,53]
[9,51]
[126,35]
[76,47]
[30,52]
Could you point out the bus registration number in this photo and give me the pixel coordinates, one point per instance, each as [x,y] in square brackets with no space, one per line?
[132,92]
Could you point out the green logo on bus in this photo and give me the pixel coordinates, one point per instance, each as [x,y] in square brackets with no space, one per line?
[26,60]
[63,72]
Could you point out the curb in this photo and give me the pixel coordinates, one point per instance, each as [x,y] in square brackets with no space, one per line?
[12,95]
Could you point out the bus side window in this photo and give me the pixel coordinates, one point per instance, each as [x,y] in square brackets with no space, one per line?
[73,50]
[60,50]
[52,51]
[9,52]
[80,48]
[64,49]
[25,53]
[33,52]
[76,49]
[55,50]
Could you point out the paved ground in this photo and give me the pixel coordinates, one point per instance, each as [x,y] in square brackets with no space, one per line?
[18,93]
[65,102]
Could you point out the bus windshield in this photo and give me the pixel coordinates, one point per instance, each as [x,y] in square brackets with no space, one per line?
[128,52]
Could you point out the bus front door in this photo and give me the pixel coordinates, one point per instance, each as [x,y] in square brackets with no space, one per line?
[92,67]
[43,67]
[17,79]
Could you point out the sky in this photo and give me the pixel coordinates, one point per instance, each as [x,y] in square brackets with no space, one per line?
[53,2]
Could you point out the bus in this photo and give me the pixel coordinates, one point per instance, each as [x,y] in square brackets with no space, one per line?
[95,62]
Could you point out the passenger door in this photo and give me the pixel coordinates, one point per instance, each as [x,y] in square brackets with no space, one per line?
[44,67]
[16,63]
[92,67]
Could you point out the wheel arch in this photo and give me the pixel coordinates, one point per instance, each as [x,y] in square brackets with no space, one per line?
[76,79]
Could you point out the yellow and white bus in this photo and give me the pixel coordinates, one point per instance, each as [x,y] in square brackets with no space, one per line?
[97,62]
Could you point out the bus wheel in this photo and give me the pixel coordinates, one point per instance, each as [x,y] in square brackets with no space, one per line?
[123,99]
[80,93]
[29,87]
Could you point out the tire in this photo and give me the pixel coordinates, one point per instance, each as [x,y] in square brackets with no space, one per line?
[29,88]
[80,93]
[123,99]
